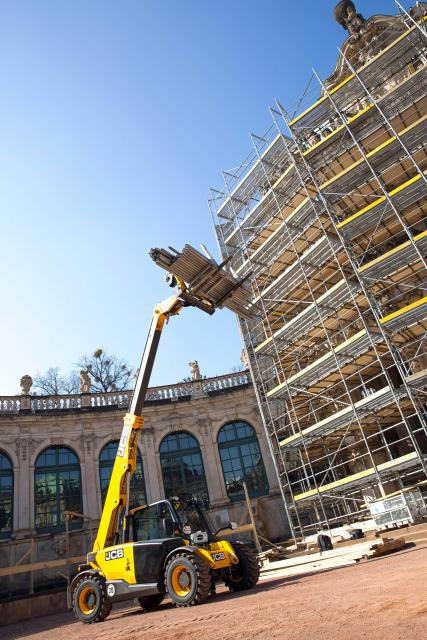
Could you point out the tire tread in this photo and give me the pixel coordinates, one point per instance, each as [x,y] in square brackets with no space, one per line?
[203,575]
[105,608]
[251,569]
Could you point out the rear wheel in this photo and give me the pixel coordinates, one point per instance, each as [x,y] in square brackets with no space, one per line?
[151,602]
[188,580]
[245,574]
[90,600]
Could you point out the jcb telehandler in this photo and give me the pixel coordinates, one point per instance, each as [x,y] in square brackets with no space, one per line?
[168,547]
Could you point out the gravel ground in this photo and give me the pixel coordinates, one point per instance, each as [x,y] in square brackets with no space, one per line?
[382,599]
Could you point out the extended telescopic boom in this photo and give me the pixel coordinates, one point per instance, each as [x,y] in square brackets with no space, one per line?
[203,284]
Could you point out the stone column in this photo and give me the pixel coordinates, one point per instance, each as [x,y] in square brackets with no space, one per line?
[89,478]
[212,463]
[152,484]
[23,489]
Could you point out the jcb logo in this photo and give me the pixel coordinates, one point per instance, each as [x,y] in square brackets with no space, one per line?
[115,554]
[219,556]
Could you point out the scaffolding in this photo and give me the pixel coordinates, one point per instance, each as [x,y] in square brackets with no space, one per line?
[327,220]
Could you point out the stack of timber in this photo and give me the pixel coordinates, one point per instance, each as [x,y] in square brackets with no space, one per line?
[387,545]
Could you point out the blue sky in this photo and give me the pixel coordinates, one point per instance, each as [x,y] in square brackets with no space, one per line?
[116,119]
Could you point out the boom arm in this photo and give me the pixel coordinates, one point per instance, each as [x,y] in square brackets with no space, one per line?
[204,284]
[117,500]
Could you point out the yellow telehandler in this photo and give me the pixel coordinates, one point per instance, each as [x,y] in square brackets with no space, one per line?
[169,547]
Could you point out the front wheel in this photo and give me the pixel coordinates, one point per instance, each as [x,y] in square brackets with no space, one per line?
[188,580]
[245,574]
[90,600]
[151,602]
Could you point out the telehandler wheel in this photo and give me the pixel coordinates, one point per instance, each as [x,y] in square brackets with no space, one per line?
[245,574]
[90,600]
[151,602]
[188,579]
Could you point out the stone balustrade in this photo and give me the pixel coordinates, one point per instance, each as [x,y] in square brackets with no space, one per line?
[10,405]
[222,383]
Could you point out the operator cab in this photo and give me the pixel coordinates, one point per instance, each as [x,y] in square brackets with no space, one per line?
[155,521]
[178,517]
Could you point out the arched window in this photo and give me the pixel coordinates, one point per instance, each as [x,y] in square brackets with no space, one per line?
[137,484]
[6,495]
[241,460]
[57,488]
[182,467]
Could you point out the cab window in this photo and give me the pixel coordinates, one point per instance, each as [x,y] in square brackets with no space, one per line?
[154,523]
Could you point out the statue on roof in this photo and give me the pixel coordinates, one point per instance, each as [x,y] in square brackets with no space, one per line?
[26,383]
[419,11]
[346,15]
[367,37]
[85,381]
[195,370]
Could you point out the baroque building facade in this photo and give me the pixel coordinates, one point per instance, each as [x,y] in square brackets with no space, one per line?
[203,437]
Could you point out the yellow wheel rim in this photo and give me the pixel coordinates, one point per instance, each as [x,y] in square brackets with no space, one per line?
[181,580]
[87,600]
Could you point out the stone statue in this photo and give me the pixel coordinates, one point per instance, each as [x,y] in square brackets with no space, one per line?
[419,11]
[85,381]
[346,15]
[195,370]
[26,384]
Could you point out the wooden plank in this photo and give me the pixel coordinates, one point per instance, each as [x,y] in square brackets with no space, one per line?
[386,546]
[39,566]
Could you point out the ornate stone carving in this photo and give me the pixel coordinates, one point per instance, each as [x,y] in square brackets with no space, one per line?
[147,438]
[85,381]
[89,441]
[26,384]
[195,370]
[23,446]
[60,547]
[367,36]
[204,426]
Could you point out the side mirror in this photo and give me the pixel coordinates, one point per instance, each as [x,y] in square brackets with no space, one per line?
[232,525]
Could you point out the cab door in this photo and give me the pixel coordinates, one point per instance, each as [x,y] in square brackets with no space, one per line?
[155,532]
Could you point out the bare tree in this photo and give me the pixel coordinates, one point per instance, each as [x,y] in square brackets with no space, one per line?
[71,384]
[50,383]
[108,372]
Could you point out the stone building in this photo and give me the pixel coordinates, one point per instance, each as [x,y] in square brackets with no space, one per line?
[56,454]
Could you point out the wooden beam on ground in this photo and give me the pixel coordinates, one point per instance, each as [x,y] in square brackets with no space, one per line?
[39,566]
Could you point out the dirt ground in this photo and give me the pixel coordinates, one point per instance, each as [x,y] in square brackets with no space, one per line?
[381,599]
